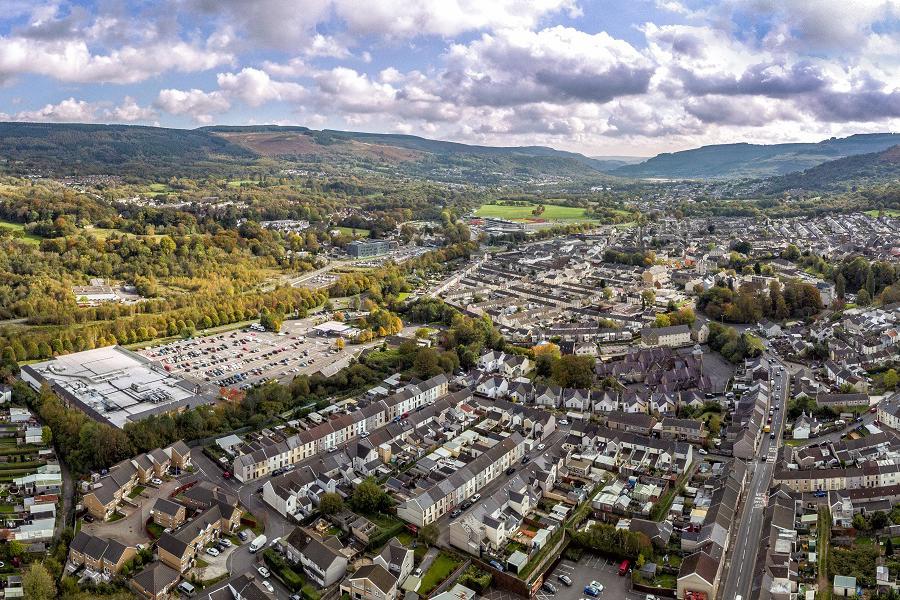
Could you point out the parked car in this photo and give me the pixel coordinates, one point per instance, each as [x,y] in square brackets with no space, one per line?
[225,542]
[510,470]
[549,587]
[156,481]
[212,551]
[591,591]
[565,579]
[268,586]
[496,565]
[455,513]
[263,572]
[244,535]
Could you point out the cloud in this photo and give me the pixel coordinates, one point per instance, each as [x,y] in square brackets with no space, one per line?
[255,87]
[559,64]
[197,104]
[73,61]
[130,111]
[67,111]
[447,18]
[741,111]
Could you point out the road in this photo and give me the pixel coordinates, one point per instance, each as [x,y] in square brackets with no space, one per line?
[747,536]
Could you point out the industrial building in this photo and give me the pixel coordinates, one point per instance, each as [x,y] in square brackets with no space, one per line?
[114,385]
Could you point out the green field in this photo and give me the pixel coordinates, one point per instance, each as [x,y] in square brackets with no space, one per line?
[360,233]
[890,212]
[18,227]
[552,212]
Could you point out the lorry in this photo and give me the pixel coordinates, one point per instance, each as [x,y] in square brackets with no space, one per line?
[257,544]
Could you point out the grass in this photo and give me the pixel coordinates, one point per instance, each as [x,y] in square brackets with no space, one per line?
[116,516]
[360,233]
[552,212]
[136,491]
[18,231]
[441,568]
[890,212]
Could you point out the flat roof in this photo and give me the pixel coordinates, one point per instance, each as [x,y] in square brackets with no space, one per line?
[116,385]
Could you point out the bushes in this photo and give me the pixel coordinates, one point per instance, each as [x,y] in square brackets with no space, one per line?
[476,579]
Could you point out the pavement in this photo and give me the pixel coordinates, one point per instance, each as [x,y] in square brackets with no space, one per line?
[747,536]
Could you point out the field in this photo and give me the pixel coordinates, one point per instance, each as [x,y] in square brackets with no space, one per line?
[889,212]
[360,233]
[17,227]
[552,212]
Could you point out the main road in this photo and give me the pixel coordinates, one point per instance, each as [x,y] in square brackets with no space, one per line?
[747,536]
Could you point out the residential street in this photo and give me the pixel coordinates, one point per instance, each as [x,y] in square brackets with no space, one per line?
[746,536]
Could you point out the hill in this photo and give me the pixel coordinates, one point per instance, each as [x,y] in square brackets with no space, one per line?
[75,148]
[842,174]
[63,149]
[412,156]
[734,161]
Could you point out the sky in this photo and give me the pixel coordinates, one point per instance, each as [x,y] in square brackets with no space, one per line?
[601,77]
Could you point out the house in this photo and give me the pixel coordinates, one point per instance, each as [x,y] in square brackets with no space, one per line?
[804,426]
[155,582]
[656,276]
[98,554]
[396,558]
[672,336]
[168,514]
[631,422]
[370,582]
[840,400]
[320,558]
[843,587]
[769,329]
[699,573]
[683,429]
[180,548]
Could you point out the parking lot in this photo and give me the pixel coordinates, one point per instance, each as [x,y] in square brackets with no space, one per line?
[589,568]
[242,358]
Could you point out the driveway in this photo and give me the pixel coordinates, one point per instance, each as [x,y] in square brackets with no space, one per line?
[216,565]
[131,530]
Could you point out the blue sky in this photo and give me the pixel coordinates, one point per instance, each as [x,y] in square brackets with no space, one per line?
[600,77]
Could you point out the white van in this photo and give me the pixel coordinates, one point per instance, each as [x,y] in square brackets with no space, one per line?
[257,544]
[186,587]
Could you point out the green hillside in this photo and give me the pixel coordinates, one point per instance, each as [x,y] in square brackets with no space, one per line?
[842,174]
[733,161]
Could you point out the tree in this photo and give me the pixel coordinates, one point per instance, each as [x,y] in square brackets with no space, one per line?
[888,547]
[339,343]
[429,534]
[368,497]
[891,379]
[331,504]
[863,298]
[573,371]
[37,583]
[46,435]
[648,298]
[840,286]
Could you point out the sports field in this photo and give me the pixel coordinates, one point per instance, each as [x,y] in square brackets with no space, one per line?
[552,212]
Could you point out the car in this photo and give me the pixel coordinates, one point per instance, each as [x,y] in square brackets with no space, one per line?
[525,460]
[268,586]
[156,481]
[564,422]
[510,470]
[212,551]
[475,498]
[772,436]
[702,451]
[418,572]
[650,597]
[565,579]
[88,518]
[541,446]
[591,591]
[549,587]
[244,535]
[455,513]
[263,572]
[597,584]
[226,475]
[466,505]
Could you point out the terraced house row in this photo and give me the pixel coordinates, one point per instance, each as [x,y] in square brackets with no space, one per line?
[427,504]
[260,458]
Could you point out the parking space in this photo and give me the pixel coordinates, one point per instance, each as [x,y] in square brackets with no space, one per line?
[243,358]
[590,568]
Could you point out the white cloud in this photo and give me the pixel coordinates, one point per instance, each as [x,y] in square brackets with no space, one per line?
[130,111]
[197,104]
[255,87]
[67,111]
[73,61]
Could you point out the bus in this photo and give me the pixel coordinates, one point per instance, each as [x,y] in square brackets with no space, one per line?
[767,428]
[623,568]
